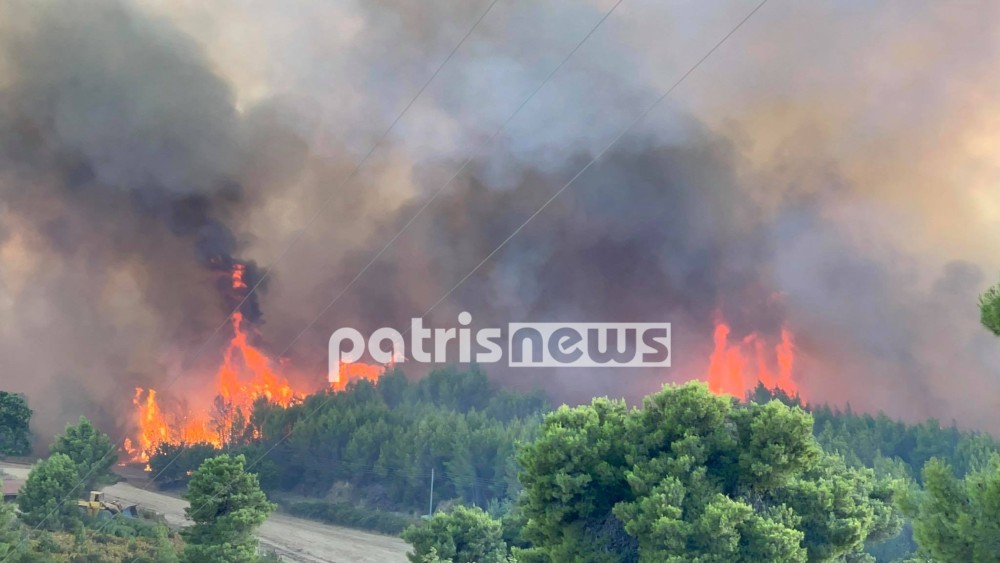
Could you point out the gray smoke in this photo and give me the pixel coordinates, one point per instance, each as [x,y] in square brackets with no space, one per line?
[121,155]
[147,147]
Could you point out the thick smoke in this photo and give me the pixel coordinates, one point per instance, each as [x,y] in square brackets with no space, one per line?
[820,176]
[121,155]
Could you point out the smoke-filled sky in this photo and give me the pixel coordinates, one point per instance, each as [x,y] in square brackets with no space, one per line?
[834,168]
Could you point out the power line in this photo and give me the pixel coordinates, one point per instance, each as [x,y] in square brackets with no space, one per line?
[597,157]
[455,175]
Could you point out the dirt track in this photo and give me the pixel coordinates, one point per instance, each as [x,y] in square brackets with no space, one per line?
[294,539]
[14,470]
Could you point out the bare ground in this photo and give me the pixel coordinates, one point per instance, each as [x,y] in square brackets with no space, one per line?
[14,470]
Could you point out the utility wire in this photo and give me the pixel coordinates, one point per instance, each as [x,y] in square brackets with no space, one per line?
[597,157]
[454,176]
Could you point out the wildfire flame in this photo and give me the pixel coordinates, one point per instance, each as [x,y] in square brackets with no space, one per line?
[348,370]
[736,368]
[247,374]
[357,371]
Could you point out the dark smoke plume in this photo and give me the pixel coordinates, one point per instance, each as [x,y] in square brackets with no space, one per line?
[121,154]
[814,174]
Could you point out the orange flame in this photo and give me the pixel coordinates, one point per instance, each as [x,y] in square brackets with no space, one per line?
[736,369]
[351,371]
[246,375]
[157,427]
[357,371]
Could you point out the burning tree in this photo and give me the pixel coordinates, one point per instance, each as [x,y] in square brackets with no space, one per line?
[246,375]
[736,368]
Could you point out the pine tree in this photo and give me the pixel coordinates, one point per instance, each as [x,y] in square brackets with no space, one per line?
[92,452]
[48,498]
[227,506]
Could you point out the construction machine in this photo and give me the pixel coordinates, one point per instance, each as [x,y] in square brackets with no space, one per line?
[98,507]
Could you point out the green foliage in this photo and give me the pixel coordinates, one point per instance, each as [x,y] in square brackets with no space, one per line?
[87,544]
[164,550]
[92,452]
[895,450]
[957,519]
[46,543]
[892,447]
[351,516]
[461,535]
[172,464]
[694,477]
[455,390]
[227,506]
[512,522]
[15,416]
[48,498]
[12,544]
[384,440]
[121,526]
[989,308]
[839,507]
[573,475]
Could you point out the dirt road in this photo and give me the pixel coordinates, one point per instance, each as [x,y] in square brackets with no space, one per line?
[14,470]
[294,539]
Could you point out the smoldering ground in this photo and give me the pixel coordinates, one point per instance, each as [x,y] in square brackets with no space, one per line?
[142,143]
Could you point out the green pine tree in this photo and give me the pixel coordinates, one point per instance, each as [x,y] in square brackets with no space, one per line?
[15,416]
[695,477]
[48,498]
[92,452]
[227,506]
[461,535]
[957,519]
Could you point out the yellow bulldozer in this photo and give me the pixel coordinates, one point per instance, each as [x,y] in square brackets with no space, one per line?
[97,507]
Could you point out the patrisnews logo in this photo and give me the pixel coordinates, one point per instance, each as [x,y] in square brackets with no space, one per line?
[575,345]
[588,345]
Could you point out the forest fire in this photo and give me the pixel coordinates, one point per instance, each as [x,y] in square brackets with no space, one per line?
[219,414]
[247,374]
[737,368]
